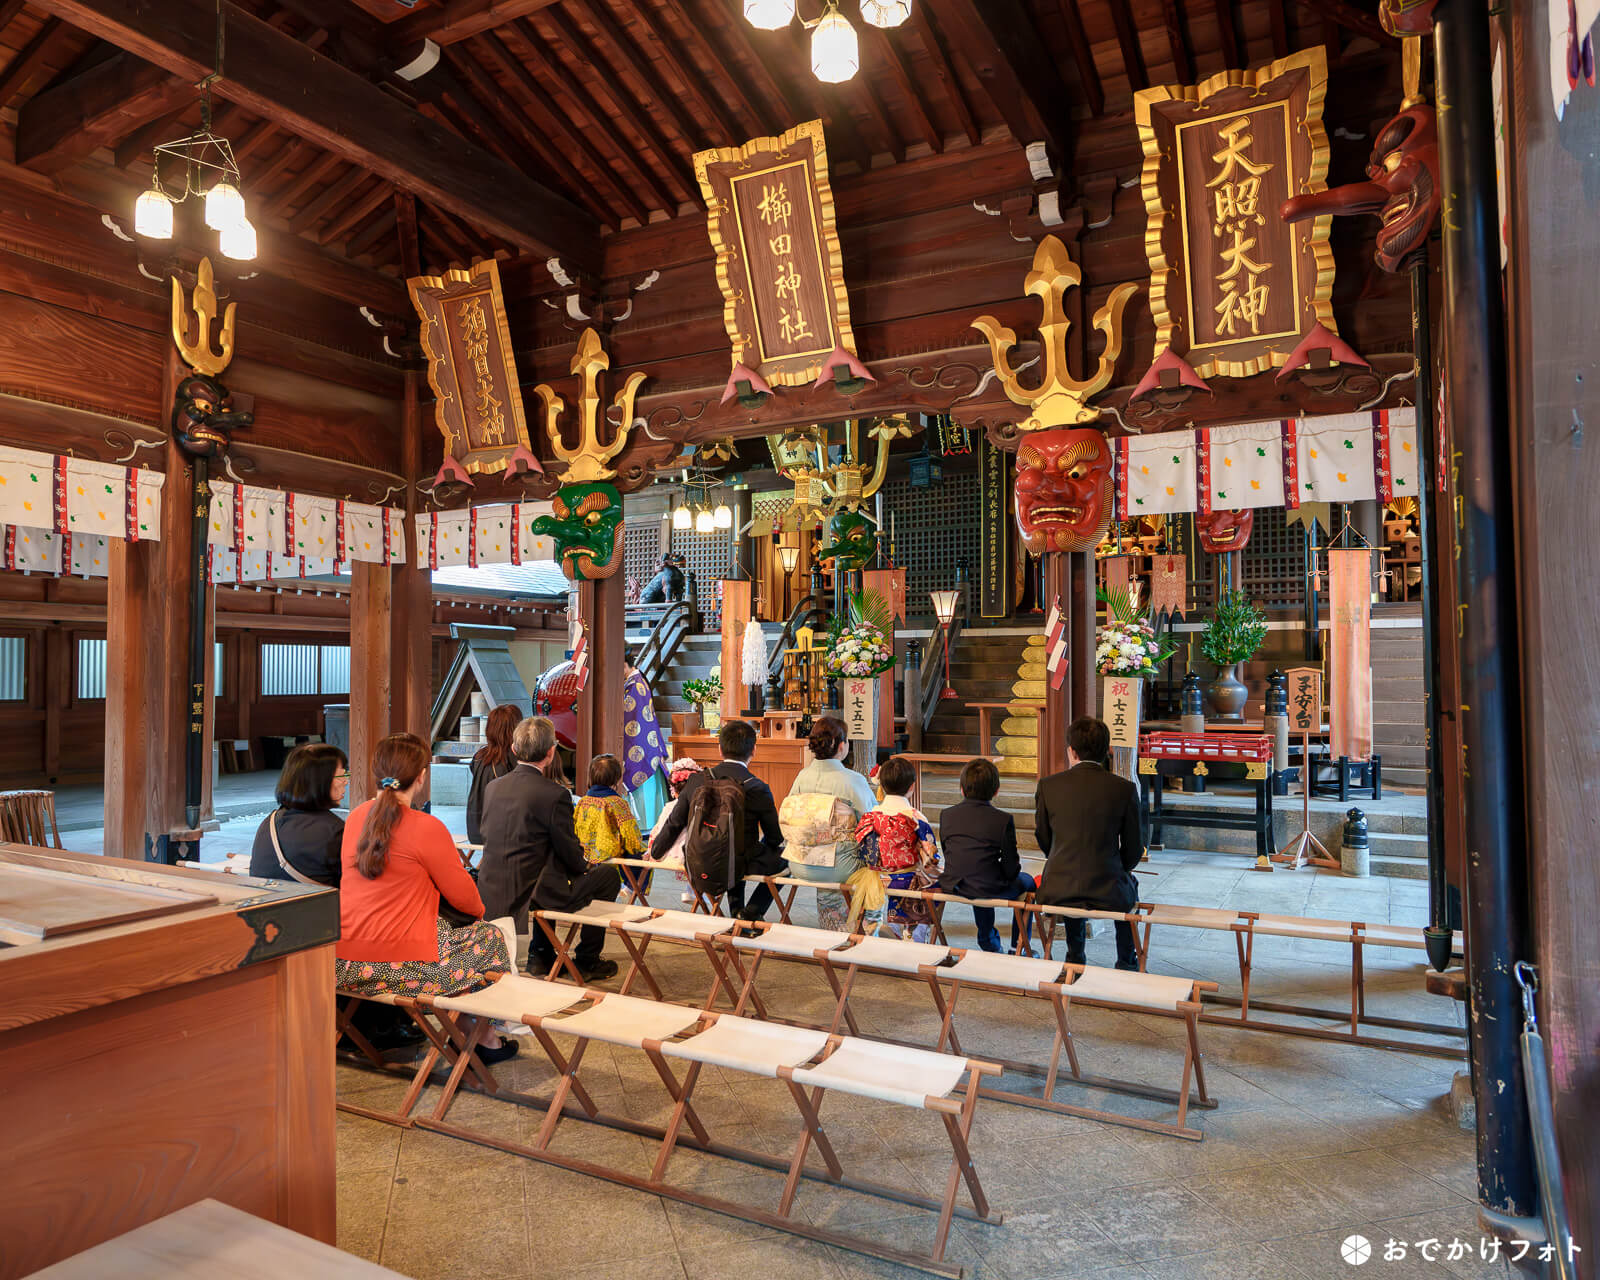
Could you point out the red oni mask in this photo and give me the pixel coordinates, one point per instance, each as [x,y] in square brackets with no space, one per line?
[1225,530]
[1063,489]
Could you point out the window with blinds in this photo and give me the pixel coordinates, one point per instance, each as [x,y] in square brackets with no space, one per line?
[304,670]
[13,668]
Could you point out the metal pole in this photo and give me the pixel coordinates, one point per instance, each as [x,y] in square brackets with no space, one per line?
[1495,826]
[195,747]
[1438,933]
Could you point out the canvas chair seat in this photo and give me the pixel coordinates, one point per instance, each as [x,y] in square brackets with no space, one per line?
[1120,986]
[682,925]
[512,998]
[792,940]
[891,954]
[625,1020]
[598,913]
[1018,973]
[888,1072]
[744,1044]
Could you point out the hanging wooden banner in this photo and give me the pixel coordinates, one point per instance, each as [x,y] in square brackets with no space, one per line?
[769,213]
[1233,287]
[1350,653]
[1169,586]
[860,696]
[471,368]
[994,530]
[891,585]
[1305,699]
[1119,707]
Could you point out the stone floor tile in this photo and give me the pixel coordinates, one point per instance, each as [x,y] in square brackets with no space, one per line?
[1043,1237]
[366,1145]
[771,1259]
[458,1219]
[913,1235]
[1364,1185]
[1459,1224]
[697,1229]
[1264,1202]
[1237,1262]
[609,1225]
[1156,1220]
[1452,1166]
[655,1266]
[363,1210]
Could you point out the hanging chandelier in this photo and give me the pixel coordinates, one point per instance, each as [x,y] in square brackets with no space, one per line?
[701,513]
[835,49]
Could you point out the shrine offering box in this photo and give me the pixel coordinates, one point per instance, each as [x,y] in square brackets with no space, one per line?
[166,1035]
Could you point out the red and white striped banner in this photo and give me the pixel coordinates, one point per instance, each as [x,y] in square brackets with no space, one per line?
[1055,643]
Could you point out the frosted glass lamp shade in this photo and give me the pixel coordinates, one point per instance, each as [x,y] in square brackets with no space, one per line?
[239,241]
[682,518]
[788,557]
[704,521]
[885,13]
[835,54]
[944,605]
[723,516]
[769,15]
[224,207]
[152,215]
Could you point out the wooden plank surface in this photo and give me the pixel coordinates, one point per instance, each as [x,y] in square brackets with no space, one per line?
[36,903]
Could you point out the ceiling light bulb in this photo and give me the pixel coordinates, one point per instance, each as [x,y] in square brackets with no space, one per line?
[238,242]
[835,55]
[682,518]
[704,521]
[769,15]
[224,206]
[152,215]
[885,13]
[723,517]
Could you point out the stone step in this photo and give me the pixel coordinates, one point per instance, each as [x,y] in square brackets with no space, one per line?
[1403,856]
[1389,688]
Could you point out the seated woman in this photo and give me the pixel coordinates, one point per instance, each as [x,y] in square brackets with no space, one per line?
[980,854]
[897,841]
[493,760]
[603,818]
[301,838]
[398,863]
[819,846]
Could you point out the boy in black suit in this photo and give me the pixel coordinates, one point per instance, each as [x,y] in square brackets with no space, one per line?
[980,851]
[763,841]
[1088,823]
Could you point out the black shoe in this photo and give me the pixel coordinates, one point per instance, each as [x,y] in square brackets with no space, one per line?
[400,1036]
[598,970]
[1131,967]
[540,966]
[507,1048]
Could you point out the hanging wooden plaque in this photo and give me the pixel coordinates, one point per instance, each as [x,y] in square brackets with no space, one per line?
[994,530]
[470,366]
[769,213]
[1233,287]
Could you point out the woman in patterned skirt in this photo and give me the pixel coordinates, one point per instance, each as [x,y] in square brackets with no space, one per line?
[398,863]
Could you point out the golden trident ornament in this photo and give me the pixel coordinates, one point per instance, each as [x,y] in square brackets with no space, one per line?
[1060,400]
[197,352]
[587,463]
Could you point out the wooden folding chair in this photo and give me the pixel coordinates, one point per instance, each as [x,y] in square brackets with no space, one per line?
[675,926]
[596,913]
[29,817]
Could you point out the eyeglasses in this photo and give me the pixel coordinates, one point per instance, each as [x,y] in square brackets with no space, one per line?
[341,777]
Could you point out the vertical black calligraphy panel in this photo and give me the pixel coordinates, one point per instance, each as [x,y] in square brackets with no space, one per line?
[994,532]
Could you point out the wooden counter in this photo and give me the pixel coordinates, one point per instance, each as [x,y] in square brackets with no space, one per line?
[777,761]
[166,1035]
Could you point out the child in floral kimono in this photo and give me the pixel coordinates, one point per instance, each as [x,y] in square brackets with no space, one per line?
[899,843]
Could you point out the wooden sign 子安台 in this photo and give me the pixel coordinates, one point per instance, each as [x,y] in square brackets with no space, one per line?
[1305,700]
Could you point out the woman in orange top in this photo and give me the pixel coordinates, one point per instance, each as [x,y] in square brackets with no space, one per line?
[397,864]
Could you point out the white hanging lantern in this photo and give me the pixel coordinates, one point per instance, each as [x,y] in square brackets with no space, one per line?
[239,241]
[723,516]
[885,13]
[682,518]
[704,521]
[152,215]
[835,55]
[224,206]
[769,15]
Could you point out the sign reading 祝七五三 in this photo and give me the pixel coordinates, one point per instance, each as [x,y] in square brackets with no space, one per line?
[1119,708]
[769,213]
[860,697]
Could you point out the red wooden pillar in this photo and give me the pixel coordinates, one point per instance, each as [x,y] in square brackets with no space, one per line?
[600,703]
[1057,701]
[1081,629]
[370,600]
[411,596]
[737,608]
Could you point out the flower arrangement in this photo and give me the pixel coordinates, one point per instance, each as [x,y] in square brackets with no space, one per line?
[1127,644]
[863,645]
[1236,630]
[705,691]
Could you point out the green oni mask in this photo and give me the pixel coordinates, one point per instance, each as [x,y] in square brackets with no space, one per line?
[852,541]
[587,527]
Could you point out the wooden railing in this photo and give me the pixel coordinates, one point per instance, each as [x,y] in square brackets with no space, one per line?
[655,655]
[924,686]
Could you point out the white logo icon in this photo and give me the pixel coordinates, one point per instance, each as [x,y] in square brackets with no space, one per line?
[1355,1250]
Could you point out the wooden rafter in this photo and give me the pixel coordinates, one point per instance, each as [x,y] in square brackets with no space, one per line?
[1094,91]
[878,114]
[405,210]
[1178,41]
[1128,42]
[263,179]
[624,153]
[476,115]
[1278,15]
[313,96]
[1353,18]
[355,210]
[29,60]
[316,171]
[634,66]
[638,116]
[1228,32]
[328,199]
[722,51]
[823,101]
[379,225]
[456,20]
[927,29]
[677,57]
[259,134]
[139,144]
[93,109]
[1002,45]
[889,51]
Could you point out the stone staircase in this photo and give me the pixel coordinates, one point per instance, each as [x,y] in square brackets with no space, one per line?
[696,656]
[1399,727]
[992,666]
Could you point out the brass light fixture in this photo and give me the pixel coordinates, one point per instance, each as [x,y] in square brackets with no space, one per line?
[835,49]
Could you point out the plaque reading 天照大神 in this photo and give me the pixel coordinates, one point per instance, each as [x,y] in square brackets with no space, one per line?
[470,366]
[1233,287]
[769,213]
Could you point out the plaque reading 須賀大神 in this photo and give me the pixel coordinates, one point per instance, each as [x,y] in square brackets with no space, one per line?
[470,366]
[769,213]
[1233,287]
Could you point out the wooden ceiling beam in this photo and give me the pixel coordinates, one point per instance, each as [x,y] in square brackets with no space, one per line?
[355,212]
[1083,55]
[283,201]
[640,118]
[1354,19]
[276,77]
[1227,28]
[1278,16]
[141,142]
[29,60]
[901,74]
[405,211]
[927,29]
[570,85]
[328,199]
[477,115]
[636,67]
[1001,44]
[9,9]
[469,245]
[1178,41]
[93,109]
[260,181]
[1128,43]
[456,20]
[380,224]
[259,135]
[677,57]
[882,122]
[557,123]
[722,51]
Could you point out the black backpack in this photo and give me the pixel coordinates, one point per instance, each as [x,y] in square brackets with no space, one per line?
[713,854]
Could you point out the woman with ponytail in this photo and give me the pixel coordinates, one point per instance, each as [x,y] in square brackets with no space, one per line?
[398,864]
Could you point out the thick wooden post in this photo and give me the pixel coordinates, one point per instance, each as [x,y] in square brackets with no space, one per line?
[370,622]
[411,596]
[1081,628]
[147,638]
[600,703]
[1057,702]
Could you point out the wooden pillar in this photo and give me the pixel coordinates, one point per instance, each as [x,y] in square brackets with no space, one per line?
[600,704]
[147,642]
[411,597]
[1555,409]
[1081,628]
[371,588]
[736,612]
[1057,702]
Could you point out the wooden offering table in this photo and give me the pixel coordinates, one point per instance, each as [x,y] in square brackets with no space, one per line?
[1169,755]
[777,760]
[166,1035]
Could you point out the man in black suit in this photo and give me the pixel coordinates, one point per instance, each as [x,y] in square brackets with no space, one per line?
[763,841]
[1087,821]
[531,853]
